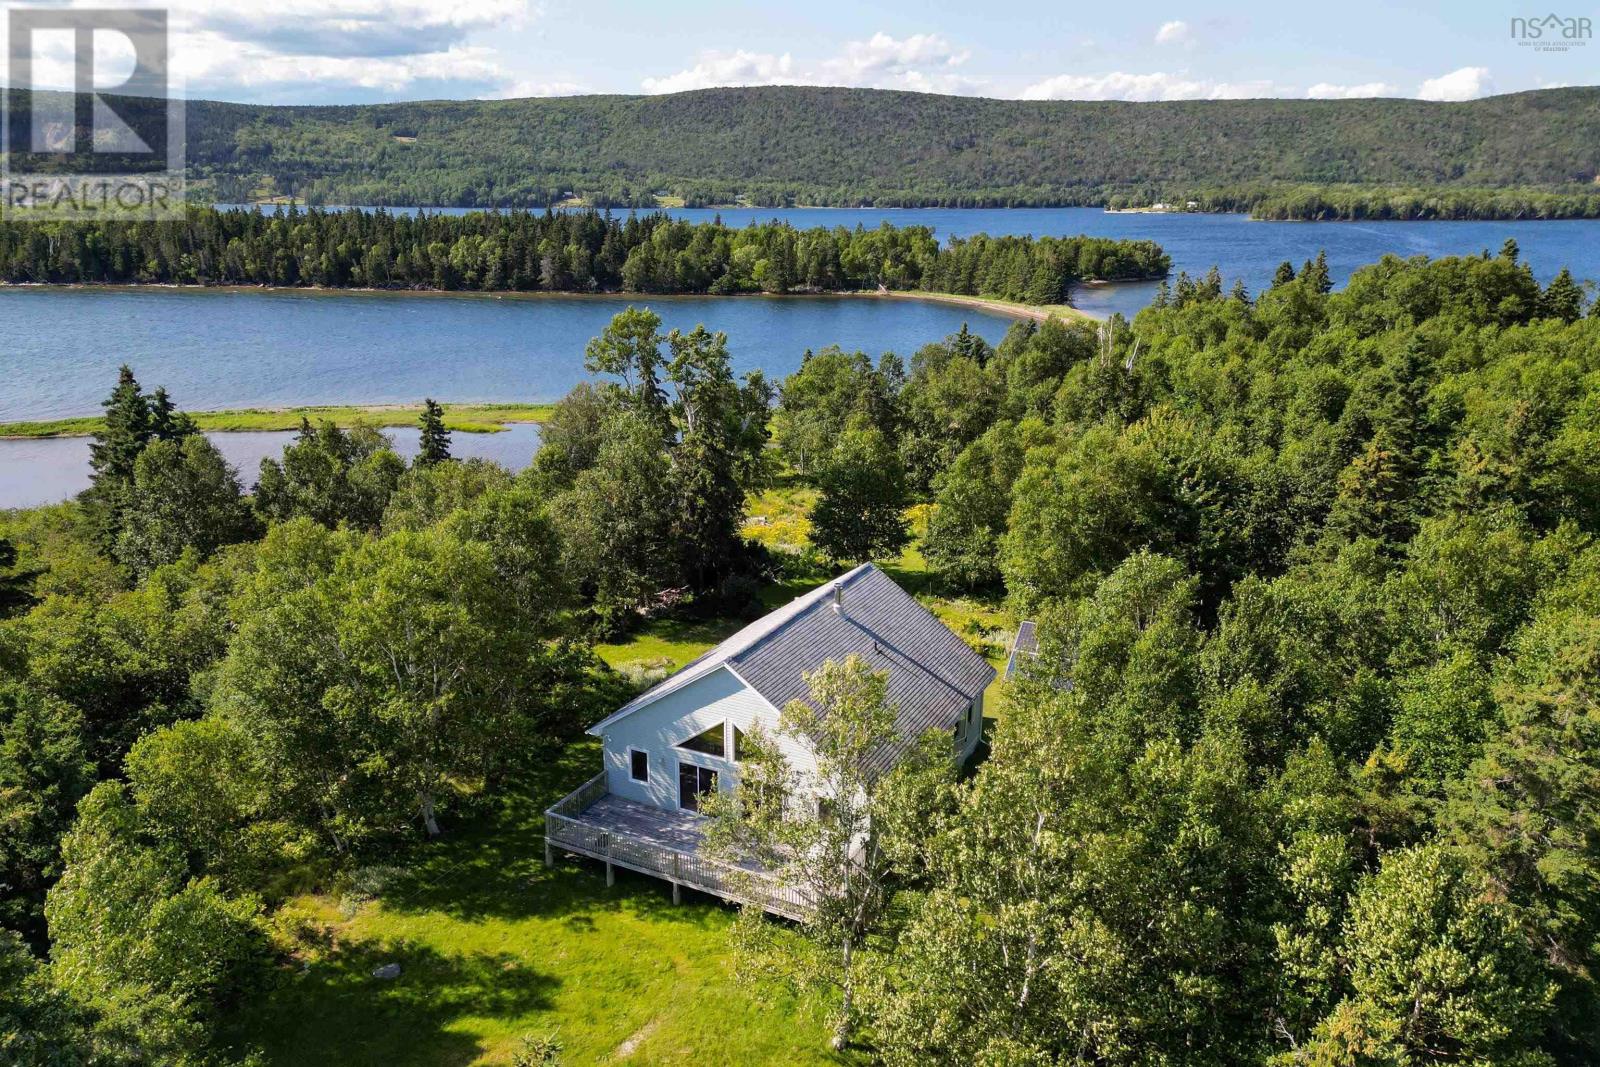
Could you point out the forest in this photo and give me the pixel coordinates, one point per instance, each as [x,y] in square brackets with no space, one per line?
[1348,202]
[793,145]
[1305,772]
[567,251]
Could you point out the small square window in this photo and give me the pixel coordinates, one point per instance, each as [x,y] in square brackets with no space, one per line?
[640,768]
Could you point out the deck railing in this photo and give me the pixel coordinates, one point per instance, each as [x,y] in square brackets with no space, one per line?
[741,885]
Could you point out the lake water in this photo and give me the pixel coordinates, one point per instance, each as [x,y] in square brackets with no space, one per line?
[1241,247]
[46,470]
[229,349]
[60,349]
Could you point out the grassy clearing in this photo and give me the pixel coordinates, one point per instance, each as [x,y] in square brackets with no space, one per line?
[465,418]
[666,644]
[493,946]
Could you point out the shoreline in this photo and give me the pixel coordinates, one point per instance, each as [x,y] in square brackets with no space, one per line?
[993,304]
[459,418]
[267,207]
[482,417]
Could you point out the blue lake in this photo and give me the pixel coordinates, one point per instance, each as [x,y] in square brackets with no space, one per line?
[227,348]
[47,470]
[60,349]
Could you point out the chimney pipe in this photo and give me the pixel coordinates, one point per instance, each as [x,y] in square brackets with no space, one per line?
[838,598]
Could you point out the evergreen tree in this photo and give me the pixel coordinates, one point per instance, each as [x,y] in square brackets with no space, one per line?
[435,442]
[167,423]
[13,583]
[112,453]
[1316,274]
[1563,298]
[1283,275]
[709,495]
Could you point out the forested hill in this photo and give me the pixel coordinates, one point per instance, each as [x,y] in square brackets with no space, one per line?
[855,146]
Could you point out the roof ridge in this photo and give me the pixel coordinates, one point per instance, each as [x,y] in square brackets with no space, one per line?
[727,651]
[814,597]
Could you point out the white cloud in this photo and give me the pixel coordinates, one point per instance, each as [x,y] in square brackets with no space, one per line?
[882,53]
[334,48]
[925,62]
[1174,32]
[379,47]
[525,87]
[1330,91]
[1468,83]
[729,68]
[1120,85]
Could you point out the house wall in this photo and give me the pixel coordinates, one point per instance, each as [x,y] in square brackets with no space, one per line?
[658,727]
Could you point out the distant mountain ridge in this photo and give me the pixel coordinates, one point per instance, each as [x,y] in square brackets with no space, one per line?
[774,145]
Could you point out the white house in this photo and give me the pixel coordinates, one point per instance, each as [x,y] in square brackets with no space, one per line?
[681,739]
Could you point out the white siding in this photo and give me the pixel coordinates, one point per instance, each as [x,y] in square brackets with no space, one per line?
[658,727]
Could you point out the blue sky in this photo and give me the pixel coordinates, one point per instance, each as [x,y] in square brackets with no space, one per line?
[338,51]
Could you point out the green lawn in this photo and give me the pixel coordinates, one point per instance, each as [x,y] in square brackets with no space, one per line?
[666,644]
[493,946]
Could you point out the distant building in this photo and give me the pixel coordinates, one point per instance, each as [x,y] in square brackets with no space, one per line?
[1026,644]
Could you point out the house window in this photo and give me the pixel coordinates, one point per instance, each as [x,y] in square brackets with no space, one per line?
[693,783]
[711,742]
[739,750]
[640,765]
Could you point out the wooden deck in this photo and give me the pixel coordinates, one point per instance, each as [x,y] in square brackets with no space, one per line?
[666,844]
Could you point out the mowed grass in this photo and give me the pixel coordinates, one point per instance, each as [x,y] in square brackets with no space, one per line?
[465,418]
[493,946]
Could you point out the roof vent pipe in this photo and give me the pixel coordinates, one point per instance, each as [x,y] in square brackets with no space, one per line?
[838,598]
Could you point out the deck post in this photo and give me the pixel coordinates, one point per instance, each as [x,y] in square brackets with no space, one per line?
[676,889]
[549,857]
[611,874]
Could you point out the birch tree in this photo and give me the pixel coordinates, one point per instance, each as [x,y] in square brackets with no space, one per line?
[844,833]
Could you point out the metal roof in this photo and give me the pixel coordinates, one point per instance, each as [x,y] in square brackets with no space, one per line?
[1027,643]
[933,674]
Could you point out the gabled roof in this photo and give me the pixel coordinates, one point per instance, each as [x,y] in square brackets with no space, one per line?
[933,674]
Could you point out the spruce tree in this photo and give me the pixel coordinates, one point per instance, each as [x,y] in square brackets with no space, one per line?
[1316,273]
[1283,275]
[112,453]
[1563,299]
[167,423]
[125,433]
[435,444]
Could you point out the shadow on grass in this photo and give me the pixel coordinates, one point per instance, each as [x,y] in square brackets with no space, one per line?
[335,1006]
[495,869]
